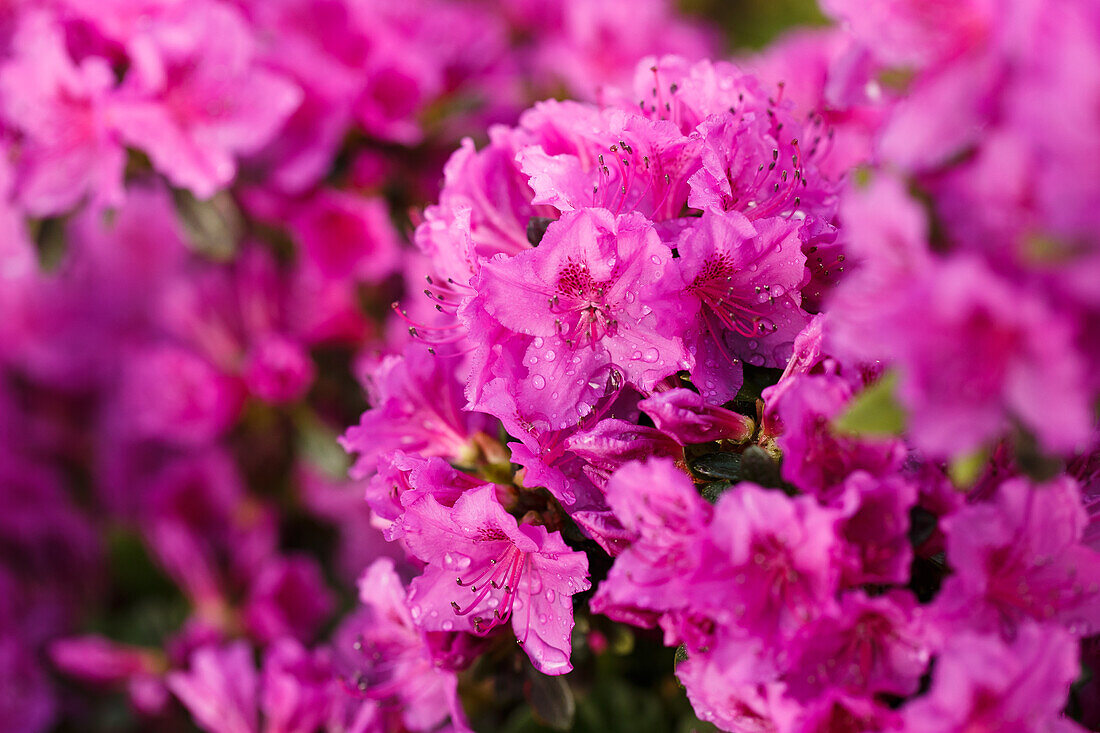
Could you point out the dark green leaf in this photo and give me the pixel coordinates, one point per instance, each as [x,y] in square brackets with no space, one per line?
[717,466]
[758,467]
[712,491]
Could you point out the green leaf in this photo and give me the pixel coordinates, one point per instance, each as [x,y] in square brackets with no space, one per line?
[717,466]
[964,470]
[874,411]
[759,468]
[714,490]
[213,226]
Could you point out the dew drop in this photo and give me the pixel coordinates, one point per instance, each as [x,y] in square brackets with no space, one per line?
[455,561]
[539,381]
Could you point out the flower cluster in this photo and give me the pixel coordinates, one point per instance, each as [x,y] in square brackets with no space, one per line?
[772,376]
[802,368]
[199,225]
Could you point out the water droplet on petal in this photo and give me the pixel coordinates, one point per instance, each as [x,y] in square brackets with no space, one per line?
[538,381]
[455,561]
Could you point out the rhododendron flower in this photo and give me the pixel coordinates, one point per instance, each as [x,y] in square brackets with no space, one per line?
[686,416]
[657,504]
[294,692]
[1020,557]
[484,569]
[417,406]
[746,277]
[773,568]
[880,644]
[598,292]
[69,148]
[200,100]
[382,655]
[984,683]
[980,354]
[800,364]
[347,236]
[817,457]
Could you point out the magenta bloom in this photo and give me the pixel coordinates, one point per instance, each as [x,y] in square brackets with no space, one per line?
[977,354]
[288,598]
[484,570]
[872,645]
[1020,557]
[875,526]
[687,417]
[599,292]
[69,149]
[981,683]
[746,277]
[294,693]
[199,100]
[657,503]
[416,405]
[816,458]
[774,567]
[220,690]
[383,656]
[345,236]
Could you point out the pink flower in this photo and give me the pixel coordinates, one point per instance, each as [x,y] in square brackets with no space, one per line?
[875,525]
[295,691]
[200,100]
[382,655]
[873,645]
[1020,557]
[599,292]
[484,570]
[277,369]
[173,394]
[69,149]
[746,277]
[816,457]
[417,406]
[622,162]
[657,503]
[686,416]
[983,683]
[220,690]
[288,598]
[978,354]
[483,209]
[773,567]
[346,236]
